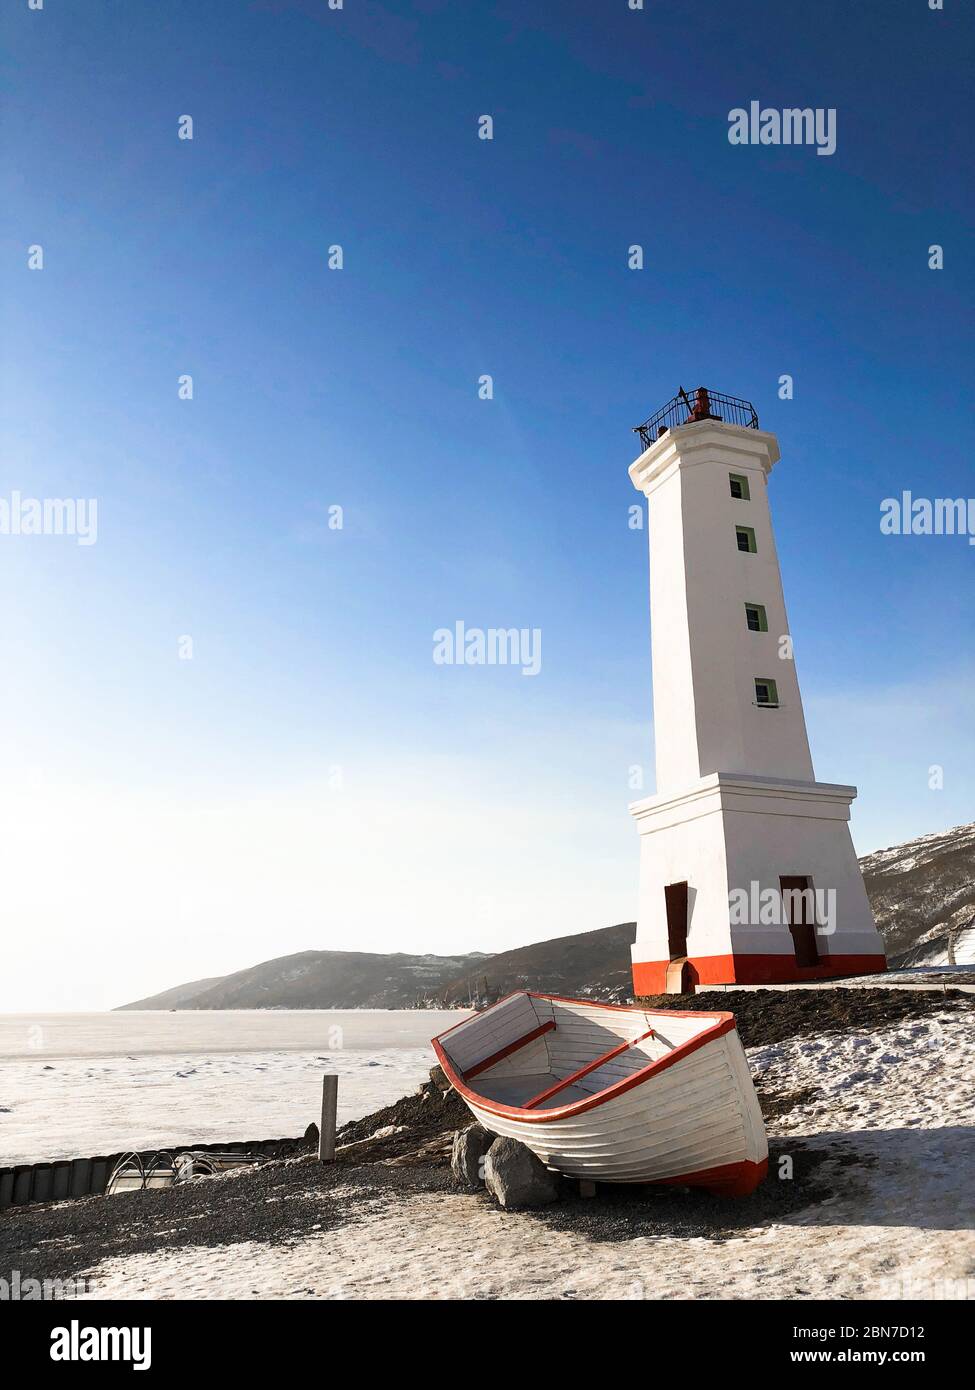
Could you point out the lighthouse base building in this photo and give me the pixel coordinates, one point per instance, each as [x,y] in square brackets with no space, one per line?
[744,880]
[748,873]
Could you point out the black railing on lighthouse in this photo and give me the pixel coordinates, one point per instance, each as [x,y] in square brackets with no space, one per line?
[688,407]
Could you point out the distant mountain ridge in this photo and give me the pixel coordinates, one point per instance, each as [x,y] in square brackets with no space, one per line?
[179,996]
[922,894]
[590,964]
[322,980]
[596,962]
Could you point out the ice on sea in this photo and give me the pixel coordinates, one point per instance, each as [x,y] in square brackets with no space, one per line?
[69,1106]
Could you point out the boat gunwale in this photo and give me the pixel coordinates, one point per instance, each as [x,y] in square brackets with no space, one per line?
[724,1023]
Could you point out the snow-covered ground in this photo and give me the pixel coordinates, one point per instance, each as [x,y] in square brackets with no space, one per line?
[898,1224]
[101,1083]
[107,1104]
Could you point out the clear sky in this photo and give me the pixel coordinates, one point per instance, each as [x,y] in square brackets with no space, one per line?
[310,778]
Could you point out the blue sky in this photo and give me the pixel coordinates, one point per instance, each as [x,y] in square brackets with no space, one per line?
[311,778]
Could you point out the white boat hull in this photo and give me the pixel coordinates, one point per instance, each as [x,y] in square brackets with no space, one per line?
[595,1097]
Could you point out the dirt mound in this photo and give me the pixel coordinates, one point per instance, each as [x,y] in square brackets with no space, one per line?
[426,1114]
[774,1015]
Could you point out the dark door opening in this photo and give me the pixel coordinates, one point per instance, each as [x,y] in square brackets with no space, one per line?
[675,895]
[801,916]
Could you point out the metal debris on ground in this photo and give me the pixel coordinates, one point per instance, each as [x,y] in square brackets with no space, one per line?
[133,1173]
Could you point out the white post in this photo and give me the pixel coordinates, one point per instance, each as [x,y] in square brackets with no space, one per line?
[326,1132]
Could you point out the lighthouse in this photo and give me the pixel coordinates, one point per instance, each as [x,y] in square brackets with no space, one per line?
[748,873]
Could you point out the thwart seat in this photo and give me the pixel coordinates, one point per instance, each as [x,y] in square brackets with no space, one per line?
[530,1090]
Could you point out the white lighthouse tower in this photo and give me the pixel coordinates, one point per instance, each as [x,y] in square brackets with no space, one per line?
[747,869]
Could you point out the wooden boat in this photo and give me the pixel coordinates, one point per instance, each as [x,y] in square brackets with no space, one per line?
[613,1093]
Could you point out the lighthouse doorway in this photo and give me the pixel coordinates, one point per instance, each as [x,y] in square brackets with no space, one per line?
[800,913]
[675,895]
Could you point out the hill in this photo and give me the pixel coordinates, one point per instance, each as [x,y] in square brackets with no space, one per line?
[322,980]
[921,892]
[596,962]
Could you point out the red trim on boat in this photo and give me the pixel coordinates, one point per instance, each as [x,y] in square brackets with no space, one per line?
[723,1023]
[621,1008]
[584,1071]
[503,1052]
[568,999]
[727,1180]
[650,977]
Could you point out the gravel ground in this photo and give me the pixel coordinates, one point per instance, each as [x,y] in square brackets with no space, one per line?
[272,1206]
[774,1015]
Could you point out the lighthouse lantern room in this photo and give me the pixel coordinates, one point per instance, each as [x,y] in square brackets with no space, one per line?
[748,873]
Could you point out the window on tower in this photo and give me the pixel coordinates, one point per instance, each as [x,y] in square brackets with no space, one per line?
[739,486]
[745,537]
[766,692]
[755,618]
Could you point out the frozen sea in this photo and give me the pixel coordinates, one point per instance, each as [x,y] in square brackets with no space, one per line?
[95,1083]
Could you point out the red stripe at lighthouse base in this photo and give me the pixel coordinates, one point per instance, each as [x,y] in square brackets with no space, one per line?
[650,977]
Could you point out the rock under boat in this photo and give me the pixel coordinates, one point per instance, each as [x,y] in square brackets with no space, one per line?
[611,1092]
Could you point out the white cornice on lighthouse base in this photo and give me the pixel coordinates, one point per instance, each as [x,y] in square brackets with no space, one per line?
[739,791]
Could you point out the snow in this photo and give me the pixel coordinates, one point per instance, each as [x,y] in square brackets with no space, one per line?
[958,837]
[104,1105]
[221,1076]
[900,1096]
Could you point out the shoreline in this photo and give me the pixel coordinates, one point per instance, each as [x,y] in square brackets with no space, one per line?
[872,1119]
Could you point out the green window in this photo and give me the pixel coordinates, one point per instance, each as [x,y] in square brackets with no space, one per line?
[755,618]
[766,692]
[739,486]
[745,537]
